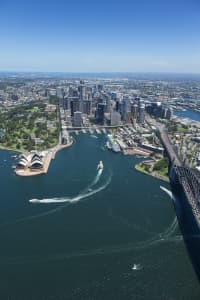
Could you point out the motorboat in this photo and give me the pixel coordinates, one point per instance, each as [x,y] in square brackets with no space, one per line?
[136,267]
[100,165]
[34,200]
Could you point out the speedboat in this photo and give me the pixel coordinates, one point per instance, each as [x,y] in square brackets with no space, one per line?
[34,200]
[136,267]
[100,165]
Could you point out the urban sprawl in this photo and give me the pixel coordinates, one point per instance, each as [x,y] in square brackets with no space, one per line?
[40,115]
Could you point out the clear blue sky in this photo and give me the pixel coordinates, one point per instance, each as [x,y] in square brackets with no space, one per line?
[100,36]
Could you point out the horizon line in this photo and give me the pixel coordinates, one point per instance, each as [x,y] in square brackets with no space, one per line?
[102,72]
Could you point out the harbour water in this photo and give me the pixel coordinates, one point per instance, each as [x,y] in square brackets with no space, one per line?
[193,115]
[98,235]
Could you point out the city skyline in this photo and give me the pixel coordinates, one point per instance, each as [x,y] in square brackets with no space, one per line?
[100,37]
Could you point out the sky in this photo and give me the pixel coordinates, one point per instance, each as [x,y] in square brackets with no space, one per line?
[100,36]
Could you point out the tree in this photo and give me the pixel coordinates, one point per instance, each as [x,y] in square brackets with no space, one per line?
[161,164]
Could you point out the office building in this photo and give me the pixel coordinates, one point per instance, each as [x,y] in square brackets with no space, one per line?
[115,118]
[77,119]
[141,113]
[100,112]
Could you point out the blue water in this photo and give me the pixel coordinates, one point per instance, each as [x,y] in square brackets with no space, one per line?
[86,249]
[188,114]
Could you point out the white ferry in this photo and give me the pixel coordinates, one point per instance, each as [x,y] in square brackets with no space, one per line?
[112,144]
[100,165]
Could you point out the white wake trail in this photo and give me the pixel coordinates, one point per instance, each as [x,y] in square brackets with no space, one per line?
[168,192]
[96,179]
[64,200]
[167,234]
[77,198]
[174,198]
[71,199]
[170,230]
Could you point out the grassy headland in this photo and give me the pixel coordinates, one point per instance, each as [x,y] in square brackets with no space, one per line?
[158,169]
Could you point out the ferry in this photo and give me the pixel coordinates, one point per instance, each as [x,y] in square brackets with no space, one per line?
[100,165]
[112,144]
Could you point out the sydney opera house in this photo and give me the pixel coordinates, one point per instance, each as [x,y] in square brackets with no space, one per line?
[31,161]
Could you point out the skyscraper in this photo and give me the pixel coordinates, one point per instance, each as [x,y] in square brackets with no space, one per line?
[141,113]
[115,118]
[78,119]
[126,107]
[87,107]
[82,90]
[135,112]
[100,112]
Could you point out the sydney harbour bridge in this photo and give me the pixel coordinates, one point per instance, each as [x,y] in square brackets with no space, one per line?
[182,176]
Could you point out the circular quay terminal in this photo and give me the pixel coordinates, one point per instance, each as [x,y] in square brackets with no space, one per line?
[100,150]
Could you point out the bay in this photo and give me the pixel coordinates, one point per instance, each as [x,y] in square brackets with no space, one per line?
[114,236]
[193,115]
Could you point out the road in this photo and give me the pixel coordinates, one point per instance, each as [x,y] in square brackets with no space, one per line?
[165,140]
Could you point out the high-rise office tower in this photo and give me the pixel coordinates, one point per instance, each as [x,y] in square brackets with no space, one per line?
[74,105]
[77,119]
[126,107]
[59,92]
[100,112]
[169,113]
[115,118]
[82,90]
[135,112]
[87,107]
[141,113]
[108,104]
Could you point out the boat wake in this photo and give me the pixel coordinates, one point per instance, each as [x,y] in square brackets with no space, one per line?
[74,199]
[84,194]
[65,200]
[167,235]
[96,179]
[174,198]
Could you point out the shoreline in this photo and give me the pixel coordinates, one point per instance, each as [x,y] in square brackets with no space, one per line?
[155,175]
[17,150]
[10,149]
[46,161]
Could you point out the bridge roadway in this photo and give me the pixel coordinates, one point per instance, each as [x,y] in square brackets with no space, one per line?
[169,148]
[188,178]
[165,140]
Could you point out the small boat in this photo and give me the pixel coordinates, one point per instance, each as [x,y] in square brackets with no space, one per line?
[94,136]
[136,267]
[108,145]
[100,165]
[34,200]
